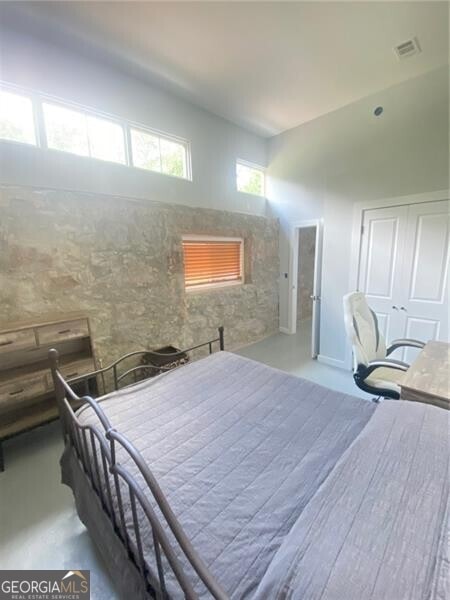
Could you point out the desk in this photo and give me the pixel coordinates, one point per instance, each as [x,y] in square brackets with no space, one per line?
[427,379]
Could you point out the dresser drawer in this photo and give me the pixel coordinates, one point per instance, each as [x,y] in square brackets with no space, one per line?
[21,391]
[59,332]
[77,368]
[17,340]
[74,369]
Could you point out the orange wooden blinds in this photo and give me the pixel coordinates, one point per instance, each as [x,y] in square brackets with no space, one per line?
[211,261]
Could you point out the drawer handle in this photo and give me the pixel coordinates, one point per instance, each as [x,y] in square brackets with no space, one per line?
[64,331]
[7,343]
[16,392]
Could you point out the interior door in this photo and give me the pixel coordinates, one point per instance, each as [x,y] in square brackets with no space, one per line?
[315,325]
[382,248]
[425,274]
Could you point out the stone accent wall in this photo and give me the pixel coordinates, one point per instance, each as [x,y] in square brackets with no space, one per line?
[306,256]
[121,262]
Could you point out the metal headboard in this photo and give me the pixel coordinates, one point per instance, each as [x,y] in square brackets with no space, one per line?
[96,449]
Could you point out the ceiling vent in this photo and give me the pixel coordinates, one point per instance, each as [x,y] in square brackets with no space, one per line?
[408,48]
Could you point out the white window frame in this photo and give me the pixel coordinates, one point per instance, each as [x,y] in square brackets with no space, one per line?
[161,136]
[39,98]
[44,99]
[251,165]
[218,284]
[26,94]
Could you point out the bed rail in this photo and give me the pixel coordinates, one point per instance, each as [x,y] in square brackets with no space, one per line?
[97,449]
[114,366]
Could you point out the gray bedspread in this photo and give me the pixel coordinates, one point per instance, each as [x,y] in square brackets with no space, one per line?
[289,489]
[378,529]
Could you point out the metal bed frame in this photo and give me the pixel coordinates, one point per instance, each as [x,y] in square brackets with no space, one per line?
[96,449]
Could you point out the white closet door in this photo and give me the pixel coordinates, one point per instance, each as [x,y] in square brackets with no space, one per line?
[383,241]
[424,275]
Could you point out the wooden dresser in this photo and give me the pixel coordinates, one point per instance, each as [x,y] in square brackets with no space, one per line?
[26,387]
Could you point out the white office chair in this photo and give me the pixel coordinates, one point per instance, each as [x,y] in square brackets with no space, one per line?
[373,372]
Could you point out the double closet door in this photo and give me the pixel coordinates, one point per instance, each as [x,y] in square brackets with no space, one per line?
[404,271]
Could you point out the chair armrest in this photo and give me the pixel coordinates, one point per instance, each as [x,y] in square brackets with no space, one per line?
[400,343]
[390,363]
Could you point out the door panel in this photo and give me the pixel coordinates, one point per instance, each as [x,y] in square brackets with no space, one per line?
[382,247]
[419,329]
[425,273]
[383,241]
[430,258]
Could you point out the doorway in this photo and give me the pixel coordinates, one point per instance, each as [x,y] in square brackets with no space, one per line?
[305,287]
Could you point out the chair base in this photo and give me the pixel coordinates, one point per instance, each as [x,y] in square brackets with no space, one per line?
[379,392]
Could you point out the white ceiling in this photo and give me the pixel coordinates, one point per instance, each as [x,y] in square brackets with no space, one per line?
[268,66]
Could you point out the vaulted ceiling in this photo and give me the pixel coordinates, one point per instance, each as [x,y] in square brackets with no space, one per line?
[268,66]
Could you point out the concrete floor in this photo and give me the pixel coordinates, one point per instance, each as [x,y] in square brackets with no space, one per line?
[292,353]
[39,528]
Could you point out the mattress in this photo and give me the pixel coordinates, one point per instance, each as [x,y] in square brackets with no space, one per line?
[268,473]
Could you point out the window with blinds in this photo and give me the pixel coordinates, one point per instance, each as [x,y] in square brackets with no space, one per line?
[211,261]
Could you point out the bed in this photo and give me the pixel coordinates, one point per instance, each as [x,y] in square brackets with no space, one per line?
[226,478]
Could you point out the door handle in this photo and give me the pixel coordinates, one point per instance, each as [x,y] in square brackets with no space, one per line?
[403,308]
[395,307]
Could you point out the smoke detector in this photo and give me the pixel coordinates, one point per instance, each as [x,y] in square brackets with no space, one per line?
[408,48]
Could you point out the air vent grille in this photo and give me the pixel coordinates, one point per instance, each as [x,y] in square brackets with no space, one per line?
[408,48]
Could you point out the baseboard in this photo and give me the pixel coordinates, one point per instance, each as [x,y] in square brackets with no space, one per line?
[285,330]
[331,362]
